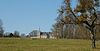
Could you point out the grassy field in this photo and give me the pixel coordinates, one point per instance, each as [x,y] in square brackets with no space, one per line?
[9,44]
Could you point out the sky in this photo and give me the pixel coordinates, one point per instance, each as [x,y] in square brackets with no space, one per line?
[27,15]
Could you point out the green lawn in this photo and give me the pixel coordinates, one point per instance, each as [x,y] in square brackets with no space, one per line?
[11,44]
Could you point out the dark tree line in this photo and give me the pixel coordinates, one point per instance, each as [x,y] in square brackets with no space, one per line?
[15,34]
[8,34]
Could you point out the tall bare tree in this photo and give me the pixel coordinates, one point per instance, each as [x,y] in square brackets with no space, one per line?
[1,28]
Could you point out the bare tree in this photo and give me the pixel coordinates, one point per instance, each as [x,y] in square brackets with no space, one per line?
[16,33]
[1,28]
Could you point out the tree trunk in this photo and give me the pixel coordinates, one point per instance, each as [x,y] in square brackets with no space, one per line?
[93,38]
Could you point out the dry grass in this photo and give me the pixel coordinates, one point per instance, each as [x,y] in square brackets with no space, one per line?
[16,44]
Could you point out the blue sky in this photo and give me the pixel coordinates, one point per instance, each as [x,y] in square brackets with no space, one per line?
[27,15]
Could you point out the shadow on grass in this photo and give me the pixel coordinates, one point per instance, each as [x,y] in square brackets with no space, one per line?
[97,48]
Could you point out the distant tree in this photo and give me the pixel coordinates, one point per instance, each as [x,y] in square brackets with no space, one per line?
[11,35]
[6,34]
[54,30]
[16,34]
[1,28]
[23,35]
[57,30]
